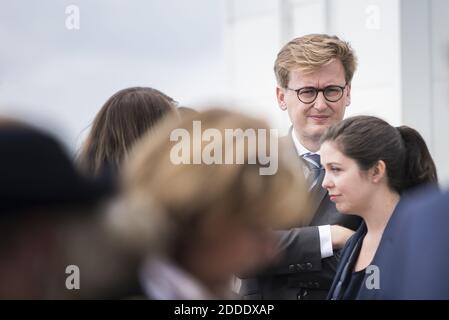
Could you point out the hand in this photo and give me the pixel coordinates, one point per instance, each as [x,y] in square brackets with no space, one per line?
[339,236]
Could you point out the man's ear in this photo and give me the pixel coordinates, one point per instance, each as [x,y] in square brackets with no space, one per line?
[348,95]
[378,172]
[280,95]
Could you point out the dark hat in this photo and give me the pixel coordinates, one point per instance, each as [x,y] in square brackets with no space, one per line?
[35,171]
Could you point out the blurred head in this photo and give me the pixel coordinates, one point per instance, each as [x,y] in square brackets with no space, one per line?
[213,220]
[315,61]
[123,119]
[364,154]
[50,218]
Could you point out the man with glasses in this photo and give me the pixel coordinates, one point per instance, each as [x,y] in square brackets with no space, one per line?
[313,74]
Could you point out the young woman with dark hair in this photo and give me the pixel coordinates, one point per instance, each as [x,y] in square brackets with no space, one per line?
[369,164]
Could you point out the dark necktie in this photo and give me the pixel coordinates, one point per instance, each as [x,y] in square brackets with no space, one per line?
[314,165]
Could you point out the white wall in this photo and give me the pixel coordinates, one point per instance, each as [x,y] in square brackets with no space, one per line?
[372,28]
[439,99]
[252,39]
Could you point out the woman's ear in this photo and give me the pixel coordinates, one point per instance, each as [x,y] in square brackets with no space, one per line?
[378,171]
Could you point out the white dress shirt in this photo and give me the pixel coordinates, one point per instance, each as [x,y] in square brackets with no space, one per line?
[325,230]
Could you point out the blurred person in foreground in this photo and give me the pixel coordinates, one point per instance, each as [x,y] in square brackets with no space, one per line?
[122,120]
[53,240]
[198,223]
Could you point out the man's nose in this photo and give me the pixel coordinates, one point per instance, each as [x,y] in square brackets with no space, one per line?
[320,102]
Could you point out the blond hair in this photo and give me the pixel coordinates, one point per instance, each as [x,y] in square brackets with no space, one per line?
[162,199]
[311,52]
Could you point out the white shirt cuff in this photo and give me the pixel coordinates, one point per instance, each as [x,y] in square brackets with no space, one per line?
[325,241]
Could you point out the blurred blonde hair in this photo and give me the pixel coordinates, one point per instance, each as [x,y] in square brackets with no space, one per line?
[160,198]
[310,52]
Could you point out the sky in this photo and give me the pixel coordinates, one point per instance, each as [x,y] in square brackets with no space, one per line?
[59,78]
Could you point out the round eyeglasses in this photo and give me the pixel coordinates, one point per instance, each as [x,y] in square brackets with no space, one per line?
[309,94]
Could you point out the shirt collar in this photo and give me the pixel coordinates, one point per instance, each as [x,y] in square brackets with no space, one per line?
[300,149]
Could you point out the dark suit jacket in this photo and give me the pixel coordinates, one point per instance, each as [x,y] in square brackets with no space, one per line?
[348,258]
[413,256]
[301,273]
[350,254]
